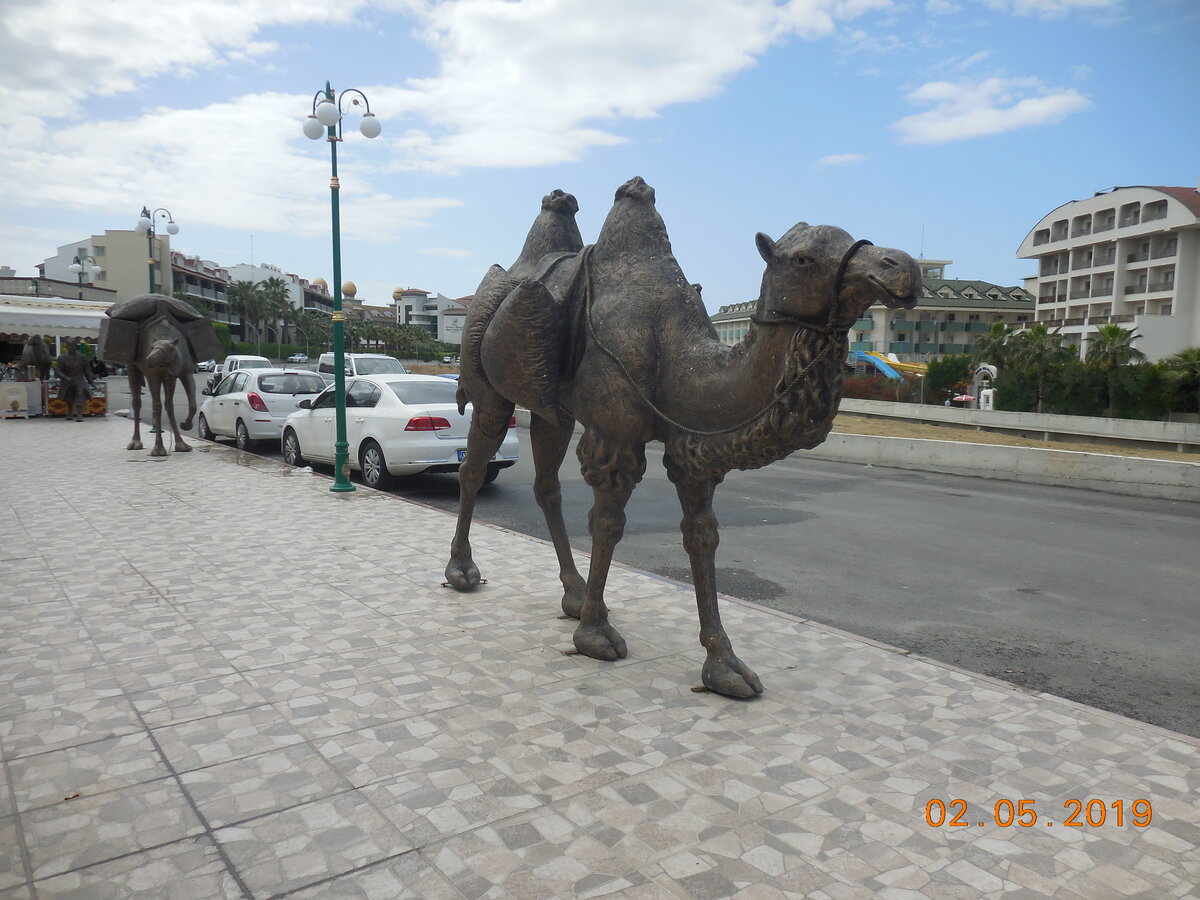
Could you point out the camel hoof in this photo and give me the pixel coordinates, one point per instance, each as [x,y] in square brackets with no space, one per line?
[462,577]
[159,451]
[181,447]
[573,594]
[134,445]
[186,424]
[731,680]
[600,642]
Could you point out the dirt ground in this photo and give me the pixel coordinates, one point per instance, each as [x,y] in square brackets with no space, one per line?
[855,424]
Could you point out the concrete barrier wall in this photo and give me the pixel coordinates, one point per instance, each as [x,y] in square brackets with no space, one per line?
[1180,433]
[1130,475]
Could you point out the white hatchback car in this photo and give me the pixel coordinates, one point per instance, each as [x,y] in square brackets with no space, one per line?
[395,425]
[251,404]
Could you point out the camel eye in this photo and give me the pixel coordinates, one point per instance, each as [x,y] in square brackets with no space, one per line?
[801,262]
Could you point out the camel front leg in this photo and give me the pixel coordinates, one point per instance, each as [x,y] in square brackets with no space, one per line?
[135,396]
[155,383]
[723,672]
[613,469]
[550,442]
[181,446]
[489,424]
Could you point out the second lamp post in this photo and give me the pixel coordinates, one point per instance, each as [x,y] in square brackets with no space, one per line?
[326,121]
[145,225]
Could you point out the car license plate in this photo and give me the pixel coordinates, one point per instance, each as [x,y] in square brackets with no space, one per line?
[462,454]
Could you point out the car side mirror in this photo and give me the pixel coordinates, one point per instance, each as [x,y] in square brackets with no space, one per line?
[304,404]
[206,392]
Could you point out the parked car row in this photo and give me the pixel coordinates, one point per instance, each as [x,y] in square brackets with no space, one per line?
[397,424]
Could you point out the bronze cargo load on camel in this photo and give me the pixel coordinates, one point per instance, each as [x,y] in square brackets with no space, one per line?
[159,338]
[615,337]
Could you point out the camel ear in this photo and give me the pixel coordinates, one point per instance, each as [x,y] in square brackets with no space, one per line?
[766,247]
[174,342]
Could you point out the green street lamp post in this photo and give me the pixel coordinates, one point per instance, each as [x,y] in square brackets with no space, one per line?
[326,121]
[77,266]
[145,225]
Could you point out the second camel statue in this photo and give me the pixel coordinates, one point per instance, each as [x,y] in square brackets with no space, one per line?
[614,336]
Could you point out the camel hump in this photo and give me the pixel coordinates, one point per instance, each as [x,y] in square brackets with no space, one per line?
[636,189]
[144,307]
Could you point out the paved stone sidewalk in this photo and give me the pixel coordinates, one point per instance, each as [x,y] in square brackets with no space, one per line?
[221,680]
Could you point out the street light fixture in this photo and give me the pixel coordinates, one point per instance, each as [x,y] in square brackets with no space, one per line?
[77,266]
[325,121]
[145,225]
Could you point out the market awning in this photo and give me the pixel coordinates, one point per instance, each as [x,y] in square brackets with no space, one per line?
[21,316]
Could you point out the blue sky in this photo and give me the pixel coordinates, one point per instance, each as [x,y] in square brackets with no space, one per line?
[950,126]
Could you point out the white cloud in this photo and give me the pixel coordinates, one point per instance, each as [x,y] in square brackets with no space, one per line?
[971,60]
[941,7]
[967,110]
[840,159]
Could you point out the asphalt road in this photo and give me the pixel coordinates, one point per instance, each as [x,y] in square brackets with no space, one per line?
[1087,595]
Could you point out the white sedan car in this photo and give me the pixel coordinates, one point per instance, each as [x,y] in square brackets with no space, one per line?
[250,405]
[395,425]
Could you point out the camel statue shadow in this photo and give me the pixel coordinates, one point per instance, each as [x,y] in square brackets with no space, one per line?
[615,337]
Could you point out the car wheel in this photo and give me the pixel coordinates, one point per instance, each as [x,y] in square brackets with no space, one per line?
[242,435]
[291,450]
[374,467]
[492,473]
[203,431]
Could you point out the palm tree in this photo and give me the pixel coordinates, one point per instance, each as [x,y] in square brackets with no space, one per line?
[1108,349]
[1039,349]
[1186,365]
[993,347]
[244,303]
[276,299]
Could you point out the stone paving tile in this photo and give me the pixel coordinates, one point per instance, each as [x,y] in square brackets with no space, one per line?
[87,770]
[351,728]
[41,730]
[222,738]
[311,843]
[191,869]
[96,828]
[264,783]
[12,870]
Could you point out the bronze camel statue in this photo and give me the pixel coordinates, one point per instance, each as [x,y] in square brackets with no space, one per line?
[615,336]
[35,354]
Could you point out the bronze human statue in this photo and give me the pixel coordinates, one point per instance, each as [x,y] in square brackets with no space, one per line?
[616,337]
[35,354]
[74,381]
[160,338]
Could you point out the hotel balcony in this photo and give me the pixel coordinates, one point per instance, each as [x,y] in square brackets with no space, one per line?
[1162,254]
[1158,286]
[1121,317]
[1137,257]
[900,347]
[1135,289]
[1074,320]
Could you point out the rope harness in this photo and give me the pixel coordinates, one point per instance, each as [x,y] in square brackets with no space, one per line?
[801,326]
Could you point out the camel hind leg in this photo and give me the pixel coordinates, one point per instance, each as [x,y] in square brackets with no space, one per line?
[135,396]
[550,442]
[489,424]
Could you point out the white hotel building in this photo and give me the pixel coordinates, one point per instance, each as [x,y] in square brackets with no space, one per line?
[1131,256]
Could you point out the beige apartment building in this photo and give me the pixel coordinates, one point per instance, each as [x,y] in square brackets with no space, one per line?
[124,260]
[1131,256]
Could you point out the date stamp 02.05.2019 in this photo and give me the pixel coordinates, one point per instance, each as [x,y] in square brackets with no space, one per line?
[1006,813]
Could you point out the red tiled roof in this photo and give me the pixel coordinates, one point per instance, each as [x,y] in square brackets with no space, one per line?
[1189,197]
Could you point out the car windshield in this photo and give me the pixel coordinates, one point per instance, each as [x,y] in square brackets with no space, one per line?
[417,392]
[379,365]
[291,384]
[254,364]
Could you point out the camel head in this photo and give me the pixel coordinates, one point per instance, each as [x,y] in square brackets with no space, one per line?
[163,356]
[560,202]
[802,277]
